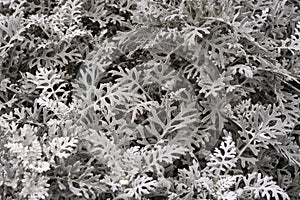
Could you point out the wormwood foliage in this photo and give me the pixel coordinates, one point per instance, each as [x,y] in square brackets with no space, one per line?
[149,99]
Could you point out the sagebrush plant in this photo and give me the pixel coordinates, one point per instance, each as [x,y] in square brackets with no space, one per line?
[150,99]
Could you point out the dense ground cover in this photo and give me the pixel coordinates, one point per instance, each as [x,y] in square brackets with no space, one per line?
[149,99]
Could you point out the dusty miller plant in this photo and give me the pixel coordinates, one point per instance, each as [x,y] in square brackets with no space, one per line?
[149,99]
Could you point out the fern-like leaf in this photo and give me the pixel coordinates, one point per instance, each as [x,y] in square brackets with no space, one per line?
[162,124]
[155,158]
[141,186]
[224,157]
[61,147]
[260,186]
